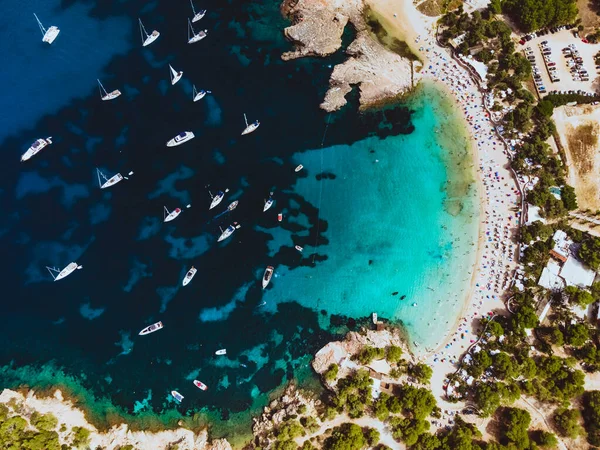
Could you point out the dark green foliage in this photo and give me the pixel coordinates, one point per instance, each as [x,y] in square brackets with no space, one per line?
[371,436]
[487,399]
[591,416]
[422,372]
[43,422]
[567,422]
[589,356]
[417,403]
[394,354]
[289,431]
[81,436]
[331,373]
[427,441]
[537,230]
[308,446]
[577,335]
[408,430]
[533,15]
[354,393]
[578,296]
[346,437]
[380,407]
[568,197]
[309,423]
[589,252]
[515,425]
[368,354]
[563,99]
[481,361]
[503,366]
[545,439]
[14,434]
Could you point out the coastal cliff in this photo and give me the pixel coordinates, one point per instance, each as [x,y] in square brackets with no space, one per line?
[316,30]
[71,425]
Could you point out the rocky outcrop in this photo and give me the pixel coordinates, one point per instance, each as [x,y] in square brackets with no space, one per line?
[117,436]
[292,403]
[317,30]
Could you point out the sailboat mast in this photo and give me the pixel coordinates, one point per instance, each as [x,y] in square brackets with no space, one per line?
[99,181]
[51,269]
[245,120]
[142,30]
[102,89]
[193,10]
[40,24]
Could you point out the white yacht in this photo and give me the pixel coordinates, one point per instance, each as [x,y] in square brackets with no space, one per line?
[269,202]
[50,34]
[175,76]
[58,274]
[108,182]
[151,328]
[216,199]
[108,96]
[200,385]
[180,139]
[197,15]
[228,231]
[189,275]
[223,351]
[35,148]
[299,168]
[195,37]
[171,215]
[250,128]
[177,396]
[147,39]
[197,95]
[267,276]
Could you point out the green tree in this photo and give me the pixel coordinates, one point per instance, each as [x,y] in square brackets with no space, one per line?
[371,436]
[394,354]
[81,436]
[422,372]
[487,399]
[546,440]
[568,197]
[347,436]
[331,373]
[577,334]
[516,426]
[567,422]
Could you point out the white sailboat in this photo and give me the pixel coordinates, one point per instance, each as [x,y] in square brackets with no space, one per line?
[189,275]
[171,215]
[182,137]
[151,328]
[197,95]
[108,96]
[267,276]
[250,128]
[147,39]
[269,202]
[216,199]
[108,182]
[228,231]
[195,36]
[58,274]
[175,76]
[50,34]
[35,148]
[197,15]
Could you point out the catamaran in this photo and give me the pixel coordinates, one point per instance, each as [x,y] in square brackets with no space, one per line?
[60,274]
[250,128]
[267,276]
[195,36]
[200,385]
[151,328]
[50,34]
[197,15]
[223,351]
[175,76]
[171,215]
[269,202]
[177,396]
[189,275]
[108,182]
[147,39]
[180,139]
[228,231]
[35,148]
[217,198]
[108,96]
[197,95]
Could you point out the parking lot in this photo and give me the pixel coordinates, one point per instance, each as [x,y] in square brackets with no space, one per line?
[562,62]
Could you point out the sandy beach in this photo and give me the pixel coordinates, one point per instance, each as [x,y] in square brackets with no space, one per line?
[499,195]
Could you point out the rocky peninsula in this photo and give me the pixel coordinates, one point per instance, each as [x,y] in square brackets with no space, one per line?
[316,30]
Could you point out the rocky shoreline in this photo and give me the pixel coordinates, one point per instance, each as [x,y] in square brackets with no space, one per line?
[317,29]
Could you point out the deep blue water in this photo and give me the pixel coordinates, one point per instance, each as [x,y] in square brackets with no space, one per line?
[82,331]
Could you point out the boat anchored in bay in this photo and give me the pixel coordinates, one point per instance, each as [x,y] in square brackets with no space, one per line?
[50,34]
[200,385]
[250,128]
[147,39]
[216,199]
[189,275]
[151,328]
[177,396]
[228,231]
[108,96]
[195,36]
[269,202]
[108,182]
[35,148]
[221,352]
[171,215]
[197,15]
[60,274]
[175,76]
[198,95]
[267,276]
[180,139]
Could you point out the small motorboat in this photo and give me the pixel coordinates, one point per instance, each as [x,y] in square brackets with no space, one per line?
[151,329]
[216,199]
[228,231]
[250,128]
[35,148]
[221,352]
[299,168]
[181,138]
[233,205]
[279,217]
[374,317]
[171,215]
[200,385]
[177,396]
[297,247]
[269,202]
[414,304]
[267,276]
[189,275]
